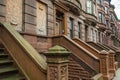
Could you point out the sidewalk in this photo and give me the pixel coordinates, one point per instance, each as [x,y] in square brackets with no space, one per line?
[117,75]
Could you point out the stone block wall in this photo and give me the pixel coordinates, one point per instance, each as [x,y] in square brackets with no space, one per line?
[30,16]
[2,10]
[14,13]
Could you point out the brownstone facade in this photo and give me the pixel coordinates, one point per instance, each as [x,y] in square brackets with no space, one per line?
[44,23]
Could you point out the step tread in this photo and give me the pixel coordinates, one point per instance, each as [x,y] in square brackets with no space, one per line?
[14,77]
[2,48]
[8,69]
[5,61]
[3,54]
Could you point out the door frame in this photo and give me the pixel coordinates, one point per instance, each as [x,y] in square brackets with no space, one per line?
[64,10]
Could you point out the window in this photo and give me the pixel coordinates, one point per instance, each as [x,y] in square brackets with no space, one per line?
[71,28]
[107,24]
[103,38]
[59,23]
[94,9]
[100,17]
[95,36]
[111,17]
[99,1]
[114,41]
[113,28]
[92,35]
[106,10]
[89,6]
[79,30]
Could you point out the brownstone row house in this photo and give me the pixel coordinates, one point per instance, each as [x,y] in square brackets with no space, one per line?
[37,37]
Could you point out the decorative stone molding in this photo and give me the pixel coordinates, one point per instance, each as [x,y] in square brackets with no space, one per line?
[108,32]
[102,27]
[74,6]
[57,59]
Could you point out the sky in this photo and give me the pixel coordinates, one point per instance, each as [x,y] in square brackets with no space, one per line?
[117,7]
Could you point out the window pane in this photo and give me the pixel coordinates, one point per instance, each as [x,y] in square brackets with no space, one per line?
[106,10]
[94,9]
[79,30]
[71,28]
[89,6]
[99,1]
[100,17]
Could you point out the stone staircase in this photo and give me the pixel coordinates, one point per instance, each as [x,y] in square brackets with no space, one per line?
[77,72]
[8,70]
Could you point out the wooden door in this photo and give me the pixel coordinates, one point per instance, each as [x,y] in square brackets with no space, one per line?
[59,23]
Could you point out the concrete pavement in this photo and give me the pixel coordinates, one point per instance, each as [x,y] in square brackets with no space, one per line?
[117,75]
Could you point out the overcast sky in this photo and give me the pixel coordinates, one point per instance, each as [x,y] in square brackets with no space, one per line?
[117,7]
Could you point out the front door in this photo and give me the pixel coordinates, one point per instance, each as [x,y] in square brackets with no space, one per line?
[58,27]
[59,23]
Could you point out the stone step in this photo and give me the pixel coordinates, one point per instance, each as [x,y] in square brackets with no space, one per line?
[3,55]
[78,71]
[1,50]
[8,69]
[14,77]
[75,68]
[5,61]
[75,77]
[74,65]
[80,74]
